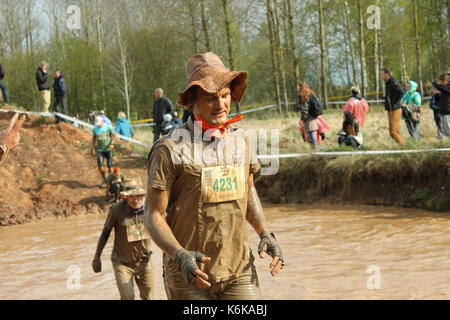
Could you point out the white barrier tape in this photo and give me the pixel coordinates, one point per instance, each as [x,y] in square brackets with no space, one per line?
[76,121]
[347,153]
[143,125]
[90,126]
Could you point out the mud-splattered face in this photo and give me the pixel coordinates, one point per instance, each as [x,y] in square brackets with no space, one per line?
[136,202]
[213,108]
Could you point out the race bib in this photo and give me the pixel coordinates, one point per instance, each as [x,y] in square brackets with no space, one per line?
[223,183]
[137,232]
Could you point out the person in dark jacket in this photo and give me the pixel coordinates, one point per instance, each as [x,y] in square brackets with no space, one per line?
[2,84]
[43,83]
[443,100]
[437,117]
[59,86]
[161,107]
[392,104]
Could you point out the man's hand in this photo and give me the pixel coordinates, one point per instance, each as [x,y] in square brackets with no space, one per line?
[11,136]
[93,152]
[97,265]
[269,244]
[187,263]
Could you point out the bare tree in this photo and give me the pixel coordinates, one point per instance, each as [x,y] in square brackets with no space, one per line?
[323,61]
[418,53]
[205,26]
[123,67]
[275,70]
[279,52]
[293,42]
[362,47]
[350,41]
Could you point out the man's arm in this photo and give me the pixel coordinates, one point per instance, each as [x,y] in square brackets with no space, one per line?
[102,242]
[156,205]
[255,216]
[96,263]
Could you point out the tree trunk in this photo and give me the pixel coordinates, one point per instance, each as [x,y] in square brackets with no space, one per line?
[377,65]
[322,56]
[381,83]
[273,55]
[293,42]
[228,31]
[405,76]
[447,58]
[123,63]
[418,53]
[191,6]
[350,40]
[229,40]
[362,47]
[281,65]
[100,54]
[205,26]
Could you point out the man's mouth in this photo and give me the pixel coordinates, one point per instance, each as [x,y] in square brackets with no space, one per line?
[219,113]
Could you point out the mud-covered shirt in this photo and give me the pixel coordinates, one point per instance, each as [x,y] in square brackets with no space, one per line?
[103,136]
[111,179]
[208,199]
[132,239]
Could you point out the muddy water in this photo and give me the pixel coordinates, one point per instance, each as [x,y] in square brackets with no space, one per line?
[328,250]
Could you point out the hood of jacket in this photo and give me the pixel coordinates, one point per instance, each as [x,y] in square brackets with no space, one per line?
[122,120]
[413,87]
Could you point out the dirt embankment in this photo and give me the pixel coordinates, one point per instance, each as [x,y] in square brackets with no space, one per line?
[53,173]
[407,180]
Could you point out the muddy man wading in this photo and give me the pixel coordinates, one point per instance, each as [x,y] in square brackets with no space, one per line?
[208,200]
[131,252]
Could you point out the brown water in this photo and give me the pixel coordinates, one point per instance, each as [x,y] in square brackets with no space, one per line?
[327,251]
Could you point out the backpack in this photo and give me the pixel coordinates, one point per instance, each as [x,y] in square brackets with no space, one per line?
[315,107]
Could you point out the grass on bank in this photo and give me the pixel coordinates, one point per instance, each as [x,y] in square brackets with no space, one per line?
[375,131]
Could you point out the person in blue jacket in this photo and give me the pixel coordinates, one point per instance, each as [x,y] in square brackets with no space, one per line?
[59,87]
[412,97]
[123,126]
[105,118]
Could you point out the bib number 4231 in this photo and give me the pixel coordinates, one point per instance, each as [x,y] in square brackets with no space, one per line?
[223,183]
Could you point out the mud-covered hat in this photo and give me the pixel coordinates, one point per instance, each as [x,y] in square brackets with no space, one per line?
[133,187]
[209,73]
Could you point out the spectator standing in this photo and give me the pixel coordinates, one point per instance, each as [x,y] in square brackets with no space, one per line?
[392,104]
[43,83]
[59,87]
[411,103]
[443,100]
[161,107]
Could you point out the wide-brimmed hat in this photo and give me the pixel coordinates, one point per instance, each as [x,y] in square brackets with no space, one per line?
[133,187]
[209,73]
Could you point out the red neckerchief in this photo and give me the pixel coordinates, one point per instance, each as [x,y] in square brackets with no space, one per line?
[219,127]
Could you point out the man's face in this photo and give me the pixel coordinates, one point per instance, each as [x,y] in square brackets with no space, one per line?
[158,94]
[136,202]
[213,108]
[57,74]
[384,76]
[445,81]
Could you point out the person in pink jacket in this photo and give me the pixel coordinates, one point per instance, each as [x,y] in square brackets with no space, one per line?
[358,106]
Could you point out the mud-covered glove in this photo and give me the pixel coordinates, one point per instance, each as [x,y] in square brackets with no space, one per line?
[97,265]
[187,263]
[270,245]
